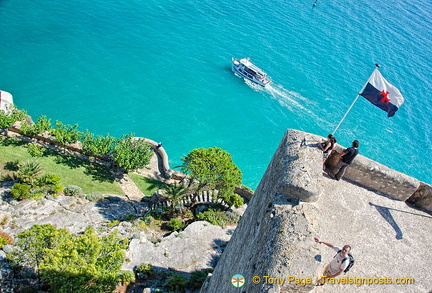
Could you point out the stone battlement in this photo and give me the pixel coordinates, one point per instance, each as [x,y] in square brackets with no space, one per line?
[296,201]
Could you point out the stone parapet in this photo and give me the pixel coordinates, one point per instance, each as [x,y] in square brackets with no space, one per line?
[422,198]
[376,176]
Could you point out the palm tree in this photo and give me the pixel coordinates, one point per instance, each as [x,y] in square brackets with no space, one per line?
[176,192]
[29,172]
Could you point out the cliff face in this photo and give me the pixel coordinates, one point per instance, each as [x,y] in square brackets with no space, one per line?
[273,246]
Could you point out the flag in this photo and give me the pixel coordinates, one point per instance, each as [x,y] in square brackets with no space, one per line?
[382,94]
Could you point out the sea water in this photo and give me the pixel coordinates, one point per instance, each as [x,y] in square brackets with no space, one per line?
[161,70]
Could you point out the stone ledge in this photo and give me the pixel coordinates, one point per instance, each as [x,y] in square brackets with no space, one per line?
[381,178]
[422,198]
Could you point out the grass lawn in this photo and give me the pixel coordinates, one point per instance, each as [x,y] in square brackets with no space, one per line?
[147,185]
[73,171]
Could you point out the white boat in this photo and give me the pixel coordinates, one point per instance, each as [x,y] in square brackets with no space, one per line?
[244,68]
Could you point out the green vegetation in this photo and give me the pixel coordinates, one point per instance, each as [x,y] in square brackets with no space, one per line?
[73,190]
[97,145]
[87,262]
[131,154]
[35,150]
[7,120]
[43,124]
[213,168]
[94,196]
[91,177]
[198,277]
[144,271]
[65,133]
[216,215]
[5,239]
[21,191]
[71,263]
[32,183]
[176,282]
[175,224]
[127,277]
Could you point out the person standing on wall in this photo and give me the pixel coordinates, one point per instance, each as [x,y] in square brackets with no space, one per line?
[346,158]
[339,264]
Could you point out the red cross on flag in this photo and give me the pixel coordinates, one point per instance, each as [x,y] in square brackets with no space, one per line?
[382,94]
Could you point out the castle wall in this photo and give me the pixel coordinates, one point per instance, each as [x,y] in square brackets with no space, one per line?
[275,235]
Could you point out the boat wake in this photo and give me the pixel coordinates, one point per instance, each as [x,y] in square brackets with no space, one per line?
[289,99]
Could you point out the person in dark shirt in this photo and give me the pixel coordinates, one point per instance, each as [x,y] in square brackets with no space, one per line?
[346,159]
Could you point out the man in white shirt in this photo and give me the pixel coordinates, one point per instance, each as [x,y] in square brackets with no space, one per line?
[338,264]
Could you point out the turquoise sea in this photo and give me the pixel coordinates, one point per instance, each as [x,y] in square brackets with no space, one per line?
[161,69]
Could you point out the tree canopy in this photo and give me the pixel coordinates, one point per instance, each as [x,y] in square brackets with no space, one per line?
[214,168]
[71,263]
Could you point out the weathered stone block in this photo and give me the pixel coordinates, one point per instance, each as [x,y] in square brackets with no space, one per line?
[422,198]
[381,178]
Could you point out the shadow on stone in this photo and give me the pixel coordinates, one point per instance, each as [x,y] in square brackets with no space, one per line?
[386,214]
[169,279]
[114,208]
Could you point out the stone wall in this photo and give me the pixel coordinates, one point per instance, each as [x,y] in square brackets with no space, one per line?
[422,198]
[275,235]
[376,176]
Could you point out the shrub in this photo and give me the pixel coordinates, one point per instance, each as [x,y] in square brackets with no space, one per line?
[127,277]
[175,224]
[94,196]
[144,271]
[158,213]
[198,277]
[36,195]
[188,214]
[72,190]
[7,120]
[131,154]
[35,150]
[68,262]
[5,239]
[20,191]
[57,189]
[66,134]
[176,283]
[218,217]
[92,145]
[129,217]
[43,124]
[48,179]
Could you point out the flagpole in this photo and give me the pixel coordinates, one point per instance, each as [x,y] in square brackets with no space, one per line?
[355,100]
